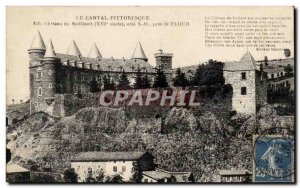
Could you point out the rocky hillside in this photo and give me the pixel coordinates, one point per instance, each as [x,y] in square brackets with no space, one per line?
[180,141]
[16,113]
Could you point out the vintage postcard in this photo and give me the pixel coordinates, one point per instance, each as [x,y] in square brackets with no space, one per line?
[150,94]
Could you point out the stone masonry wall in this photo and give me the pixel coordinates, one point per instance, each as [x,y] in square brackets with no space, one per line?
[244,104]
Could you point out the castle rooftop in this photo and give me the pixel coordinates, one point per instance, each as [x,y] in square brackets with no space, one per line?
[246,63]
[94,52]
[37,42]
[108,156]
[109,64]
[73,49]
[161,53]
[50,53]
[139,52]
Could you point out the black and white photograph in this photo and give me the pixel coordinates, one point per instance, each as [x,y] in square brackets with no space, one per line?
[150,95]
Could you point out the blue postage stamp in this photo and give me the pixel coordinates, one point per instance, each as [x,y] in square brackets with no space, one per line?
[273,159]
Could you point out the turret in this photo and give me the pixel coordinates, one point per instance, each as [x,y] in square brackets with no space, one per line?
[50,77]
[139,53]
[73,50]
[163,60]
[36,50]
[94,52]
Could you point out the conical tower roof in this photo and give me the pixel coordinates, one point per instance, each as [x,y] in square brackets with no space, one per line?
[94,52]
[38,42]
[50,50]
[73,49]
[139,52]
[247,62]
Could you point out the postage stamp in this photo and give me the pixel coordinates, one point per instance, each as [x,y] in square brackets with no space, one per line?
[273,158]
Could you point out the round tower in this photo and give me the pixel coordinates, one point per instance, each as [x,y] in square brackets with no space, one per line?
[36,54]
[50,62]
[37,50]
[164,60]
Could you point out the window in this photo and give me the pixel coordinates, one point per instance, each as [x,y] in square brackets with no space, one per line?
[39,91]
[243,76]
[243,91]
[228,179]
[146,180]
[90,172]
[36,104]
[39,75]
[123,168]
[115,169]
[50,85]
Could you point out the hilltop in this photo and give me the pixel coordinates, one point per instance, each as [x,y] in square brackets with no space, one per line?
[182,140]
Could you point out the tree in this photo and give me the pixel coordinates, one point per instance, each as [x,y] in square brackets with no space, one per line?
[180,78]
[114,179]
[287,53]
[136,173]
[43,178]
[138,79]
[146,82]
[70,176]
[191,178]
[123,81]
[33,166]
[209,74]
[172,179]
[247,179]
[100,177]
[160,79]
[94,86]
[266,61]
[90,179]
[108,83]
[288,69]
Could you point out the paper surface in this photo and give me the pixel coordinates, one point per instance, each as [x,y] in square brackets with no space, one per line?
[150,94]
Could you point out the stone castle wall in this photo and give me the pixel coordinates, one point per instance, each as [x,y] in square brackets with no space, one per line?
[49,77]
[261,89]
[245,104]
[69,104]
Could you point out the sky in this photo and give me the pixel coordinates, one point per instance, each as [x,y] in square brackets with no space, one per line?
[185,42]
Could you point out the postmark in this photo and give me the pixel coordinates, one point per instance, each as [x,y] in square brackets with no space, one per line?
[273,156]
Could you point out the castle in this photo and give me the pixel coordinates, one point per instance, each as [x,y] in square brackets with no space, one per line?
[55,76]
[249,84]
[53,73]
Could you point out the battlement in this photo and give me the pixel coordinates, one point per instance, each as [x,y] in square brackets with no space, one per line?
[162,54]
